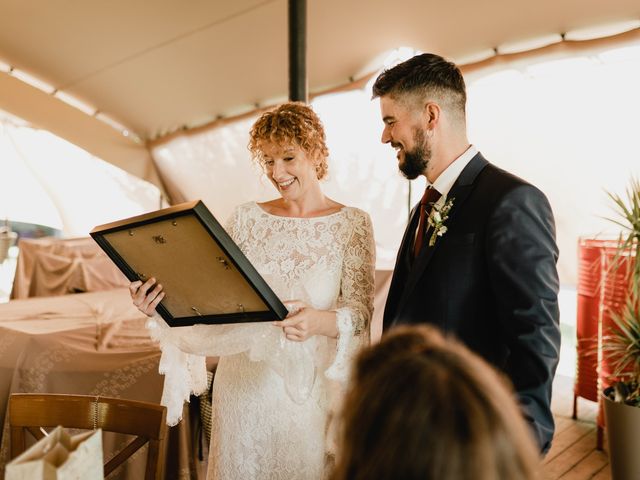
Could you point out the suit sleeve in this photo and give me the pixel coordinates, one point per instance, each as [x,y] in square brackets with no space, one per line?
[522,255]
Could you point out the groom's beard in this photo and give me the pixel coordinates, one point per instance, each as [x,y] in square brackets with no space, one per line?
[415,162]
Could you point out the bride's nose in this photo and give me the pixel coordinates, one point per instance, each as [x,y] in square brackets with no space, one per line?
[278,170]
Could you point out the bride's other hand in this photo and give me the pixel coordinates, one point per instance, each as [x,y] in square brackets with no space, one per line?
[303,322]
[144,297]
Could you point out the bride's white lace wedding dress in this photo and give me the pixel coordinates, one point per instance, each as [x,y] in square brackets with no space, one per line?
[271,396]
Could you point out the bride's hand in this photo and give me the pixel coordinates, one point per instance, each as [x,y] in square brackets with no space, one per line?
[145,299]
[303,322]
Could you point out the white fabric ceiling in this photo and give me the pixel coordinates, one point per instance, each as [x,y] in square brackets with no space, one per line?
[159,66]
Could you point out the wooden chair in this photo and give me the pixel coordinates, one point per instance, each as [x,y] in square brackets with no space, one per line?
[146,421]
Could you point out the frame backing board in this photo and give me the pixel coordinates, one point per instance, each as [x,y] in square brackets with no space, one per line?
[205,276]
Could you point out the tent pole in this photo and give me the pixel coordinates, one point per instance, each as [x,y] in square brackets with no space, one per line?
[298,51]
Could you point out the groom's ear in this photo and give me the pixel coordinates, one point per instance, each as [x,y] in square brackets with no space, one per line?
[431,115]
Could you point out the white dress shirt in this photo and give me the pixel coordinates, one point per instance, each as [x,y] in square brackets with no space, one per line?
[446,179]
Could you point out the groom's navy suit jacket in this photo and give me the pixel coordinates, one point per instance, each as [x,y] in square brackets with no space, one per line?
[491,281]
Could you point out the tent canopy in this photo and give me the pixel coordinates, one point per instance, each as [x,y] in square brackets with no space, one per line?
[162,66]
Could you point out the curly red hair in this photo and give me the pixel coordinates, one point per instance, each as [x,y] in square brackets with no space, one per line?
[291,123]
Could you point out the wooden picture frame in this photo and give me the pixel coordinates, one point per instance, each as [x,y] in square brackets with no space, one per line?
[205,276]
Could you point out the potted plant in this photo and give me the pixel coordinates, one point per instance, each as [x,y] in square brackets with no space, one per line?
[621,345]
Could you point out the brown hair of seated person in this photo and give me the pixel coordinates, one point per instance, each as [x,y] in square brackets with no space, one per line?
[420,406]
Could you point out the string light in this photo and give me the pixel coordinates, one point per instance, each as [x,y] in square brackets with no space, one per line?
[5,67]
[67,98]
[476,57]
[31,80]
[529,44]
[603,30]
[75,102]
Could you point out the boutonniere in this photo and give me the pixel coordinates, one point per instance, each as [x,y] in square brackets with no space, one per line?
[437,217]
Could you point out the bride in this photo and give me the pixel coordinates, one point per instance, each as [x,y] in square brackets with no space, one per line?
[277,383]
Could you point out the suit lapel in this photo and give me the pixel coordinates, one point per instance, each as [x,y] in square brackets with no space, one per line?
[459,193]
[402,267]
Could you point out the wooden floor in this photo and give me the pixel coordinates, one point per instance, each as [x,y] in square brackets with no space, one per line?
[573,454]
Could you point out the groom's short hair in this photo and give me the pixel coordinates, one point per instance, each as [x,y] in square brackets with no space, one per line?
[428,76]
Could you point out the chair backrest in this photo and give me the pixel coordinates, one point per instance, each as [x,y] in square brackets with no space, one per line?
[144,420]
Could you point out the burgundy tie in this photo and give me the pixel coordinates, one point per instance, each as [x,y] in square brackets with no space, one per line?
[431,196]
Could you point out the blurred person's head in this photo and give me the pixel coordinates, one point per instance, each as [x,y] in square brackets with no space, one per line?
[420,406]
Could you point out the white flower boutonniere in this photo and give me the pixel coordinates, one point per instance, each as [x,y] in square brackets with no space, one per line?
[437,217]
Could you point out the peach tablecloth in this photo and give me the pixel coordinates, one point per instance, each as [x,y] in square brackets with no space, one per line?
[88,343]
[53,266]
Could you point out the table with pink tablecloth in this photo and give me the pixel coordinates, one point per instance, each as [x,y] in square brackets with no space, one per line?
[87,343]
[54,266]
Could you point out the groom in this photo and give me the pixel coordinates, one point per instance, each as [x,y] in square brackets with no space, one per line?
[478,258]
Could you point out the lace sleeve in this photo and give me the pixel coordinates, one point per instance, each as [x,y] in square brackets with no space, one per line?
[355,302]
[184,349]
